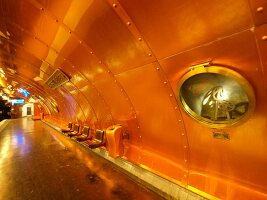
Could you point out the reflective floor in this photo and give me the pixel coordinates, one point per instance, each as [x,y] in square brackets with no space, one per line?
[37,162]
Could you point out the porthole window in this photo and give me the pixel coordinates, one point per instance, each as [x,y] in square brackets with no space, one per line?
[216,96]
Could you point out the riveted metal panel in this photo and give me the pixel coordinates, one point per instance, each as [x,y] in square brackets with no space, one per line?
[119,106]
[96,29]
[261,36]
[218,160]
[86,62]
[109,48]
[259,11]
[58,8]
[98,103]
[158,126]
[80,116]
[171,26]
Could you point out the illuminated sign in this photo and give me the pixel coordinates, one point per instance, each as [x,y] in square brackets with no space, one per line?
[24,92]
[17,101]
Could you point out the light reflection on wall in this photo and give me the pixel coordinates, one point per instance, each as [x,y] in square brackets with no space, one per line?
[70,101]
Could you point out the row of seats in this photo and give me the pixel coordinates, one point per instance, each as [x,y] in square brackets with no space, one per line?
[85,135]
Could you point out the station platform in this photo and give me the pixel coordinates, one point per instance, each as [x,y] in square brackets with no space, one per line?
[39,163]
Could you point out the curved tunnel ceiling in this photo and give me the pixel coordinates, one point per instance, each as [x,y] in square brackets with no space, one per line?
[125,59]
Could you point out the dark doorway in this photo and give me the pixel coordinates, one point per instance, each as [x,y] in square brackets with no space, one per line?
[29,110]
[5,109]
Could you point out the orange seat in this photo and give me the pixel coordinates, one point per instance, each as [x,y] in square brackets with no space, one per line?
[85,134]
[76,131]
[69,129]
[99,139]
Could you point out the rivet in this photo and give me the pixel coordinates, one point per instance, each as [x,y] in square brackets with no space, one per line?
[185,160]
[135,116]
[264,37]
[185,146]
[138,128]
[56,20]
[182,134]
[70,31]
[100,62]
[140,39]
[121,90]
[185,175]
[115,81]
[165,82]
[128,23]
[150,54]
[42,9]
[109,71]
[170,95]
[179,120]
[91,52]
[157,68]
[114,5]
[72,66]
[64,59]
[80,42]
[260,9]
[175,107]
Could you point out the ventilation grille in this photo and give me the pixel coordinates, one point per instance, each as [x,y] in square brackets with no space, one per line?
[57,79]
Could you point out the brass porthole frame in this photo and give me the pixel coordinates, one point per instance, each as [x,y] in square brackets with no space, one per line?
[222,71]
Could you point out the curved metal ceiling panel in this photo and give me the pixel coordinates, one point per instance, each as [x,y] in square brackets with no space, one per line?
[95,29]
[171,26]
[59,7]
[125,60]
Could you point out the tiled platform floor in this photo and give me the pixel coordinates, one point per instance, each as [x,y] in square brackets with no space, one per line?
[38,163]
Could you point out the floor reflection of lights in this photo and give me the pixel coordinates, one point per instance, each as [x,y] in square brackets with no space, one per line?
[41,163]
[4,154]
[84,156]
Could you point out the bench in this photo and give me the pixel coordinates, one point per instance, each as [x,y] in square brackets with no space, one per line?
[76,131]
[85,135]
[99,139]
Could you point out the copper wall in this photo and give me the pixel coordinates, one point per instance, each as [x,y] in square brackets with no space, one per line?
[125,59]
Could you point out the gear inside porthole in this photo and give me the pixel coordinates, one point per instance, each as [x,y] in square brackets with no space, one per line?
[216,96]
